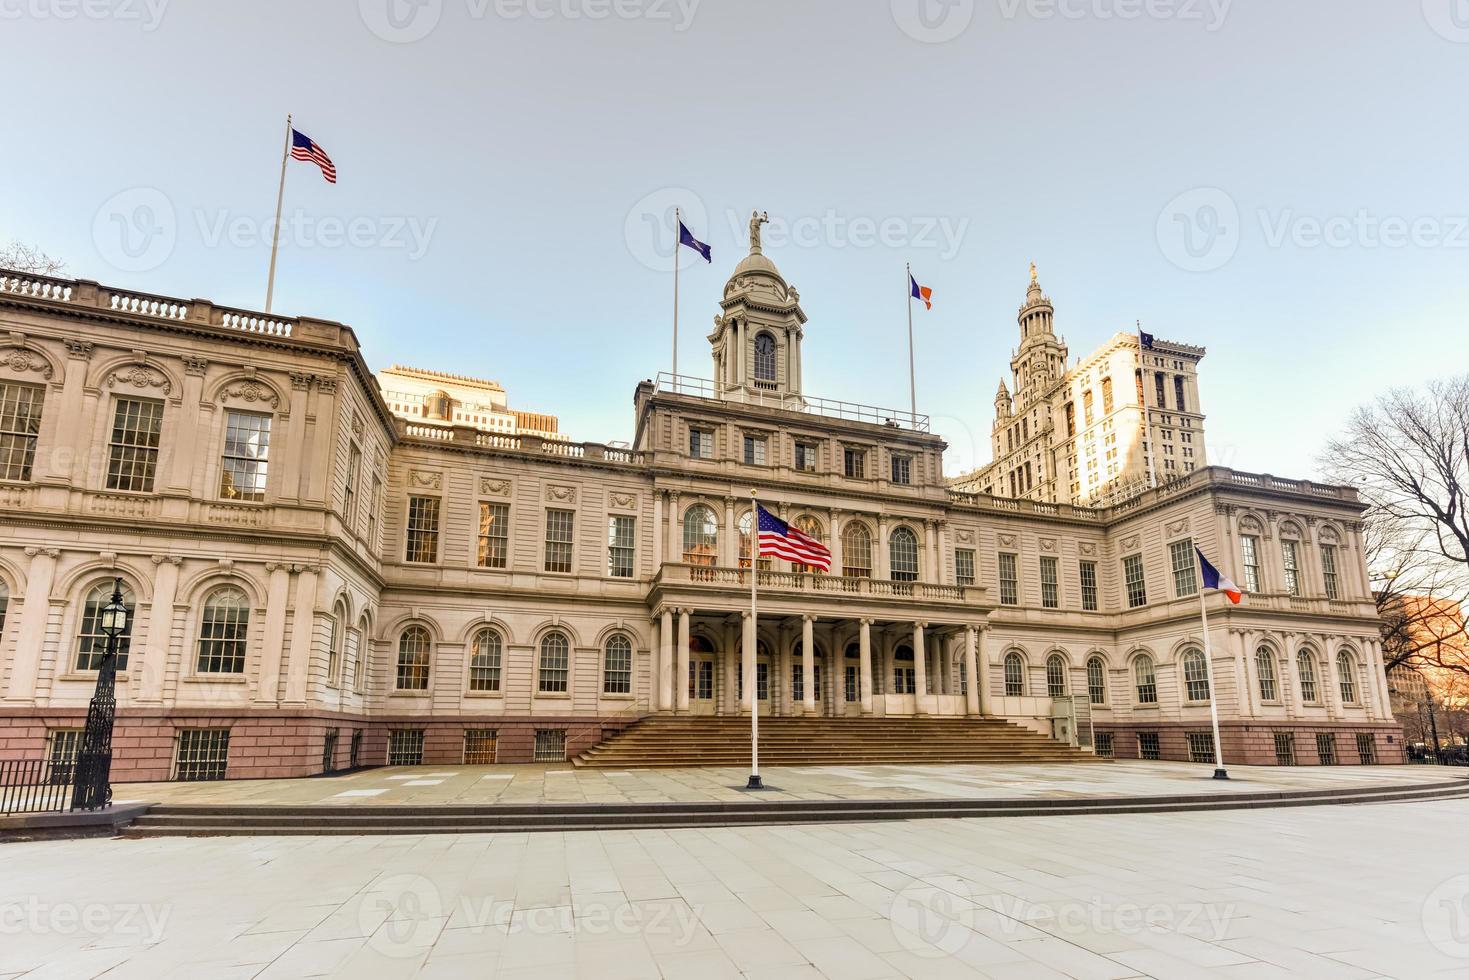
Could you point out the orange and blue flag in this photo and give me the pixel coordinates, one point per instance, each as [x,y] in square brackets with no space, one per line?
[921,292]
[1218,582]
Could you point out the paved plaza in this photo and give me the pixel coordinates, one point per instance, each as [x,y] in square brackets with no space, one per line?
[563,784]
[1342,892]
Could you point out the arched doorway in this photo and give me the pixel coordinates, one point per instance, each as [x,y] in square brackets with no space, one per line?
[904,678]
[703,686]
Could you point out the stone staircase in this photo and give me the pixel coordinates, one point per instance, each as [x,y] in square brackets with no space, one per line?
[684,741]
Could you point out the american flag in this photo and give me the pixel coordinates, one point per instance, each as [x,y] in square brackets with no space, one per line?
[783,541]
[302,148]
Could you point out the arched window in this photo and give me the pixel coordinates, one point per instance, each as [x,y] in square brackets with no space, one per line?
[905,677]
[903,554]
[746,524]
[555,663]
[700,536]
[617,665]
[1306,667]
[222,630]
[363,661]
[811,527]
[413,651]
[1346,670]
[1146,678]
[856,550]
[1014,675]
[336,637]
[1096,680]
[91,641]
[1195,675]
[484,661]
[1265,667]
[1055,676]
[765,358]
[4,603]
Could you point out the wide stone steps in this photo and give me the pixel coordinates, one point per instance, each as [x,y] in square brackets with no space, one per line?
[327,819]
[681,741]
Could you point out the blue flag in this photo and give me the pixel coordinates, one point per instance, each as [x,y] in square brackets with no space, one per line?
[1146,339]
[685,238]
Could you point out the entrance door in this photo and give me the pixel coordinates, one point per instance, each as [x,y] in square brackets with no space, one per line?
[701,676]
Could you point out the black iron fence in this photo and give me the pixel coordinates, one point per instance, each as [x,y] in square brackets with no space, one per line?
[35,786]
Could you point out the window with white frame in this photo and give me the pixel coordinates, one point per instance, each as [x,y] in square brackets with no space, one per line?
[349,486]
[755,450]
[902,468]
[1014,674]
[335,634]
[223,629]
[856,550]
[964,566]
[903,554]
[1185,568]
[1346,669]
[132,449]
[1288,557]
[63,747]
[413,657]
[1088,571]
[1055,676]
[1265,668]
[617,665]
[1132,577]
[1096,680]
[20,424]
[620,545]
[805,456]
[493,541]
[91,641]
[1050,584]
[374,500]
[555,663]
[1145,677]
[1328,571]
[1306,669]
[854,462]
[484,662]
[701,443]
[1249,547]
[1009,579]
[363,660]
[1195,675]
[700,536]
[423,529]
[4,604]
[560,533]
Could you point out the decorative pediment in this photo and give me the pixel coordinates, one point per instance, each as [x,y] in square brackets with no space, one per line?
[425,480]
[1087,548]
[251,391]
[964,536]
[626,501]
[142,377]
[1048,544]
[22,361]
[1177,527]
[1131,542]
[561,495]
[1007,540]
[490,487]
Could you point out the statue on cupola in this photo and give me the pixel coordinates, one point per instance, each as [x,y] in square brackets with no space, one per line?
[756,342]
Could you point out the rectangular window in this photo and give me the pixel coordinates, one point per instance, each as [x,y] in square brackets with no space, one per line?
[1201,747]
[1050,587]
[479,746]
[1089,586]
[805,456]
[620,546]
[61,753]
[1106,396]
[374,500]
[1185,568]
[1328,571]
[1178,398]
[132,459]
[349,488]
[494,535]
[201,754]
[1285,749]
[1148,747]
[559,531]
[1087,404]
[851,687]
[1070,420]
[1292,571]
[550,745]
[854,462]
[964,566]
[902,469]
[1326,748]
[246,456]
[1249,547]
[423,529]
[1366,749]
[405,747]
[755,451]
[701,443]
[1160,389]
[1132,576]
[20,423]
[1009,580]
[1104,745]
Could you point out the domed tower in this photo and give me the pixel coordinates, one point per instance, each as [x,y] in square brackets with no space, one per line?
[756,340]
[1040,361]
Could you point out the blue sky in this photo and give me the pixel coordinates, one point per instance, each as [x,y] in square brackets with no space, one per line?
[1281,182]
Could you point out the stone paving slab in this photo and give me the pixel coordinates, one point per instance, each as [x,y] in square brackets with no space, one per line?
[484,785]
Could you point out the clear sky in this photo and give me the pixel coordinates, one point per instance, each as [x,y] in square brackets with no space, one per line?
[1281,181]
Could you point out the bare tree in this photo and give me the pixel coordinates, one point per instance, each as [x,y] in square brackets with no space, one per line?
[1408,455]
[27,258]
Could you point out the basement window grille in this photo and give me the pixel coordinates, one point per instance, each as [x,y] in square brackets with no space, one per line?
[203,754]
[479,746]
[405,747]
[1326,748]
[1104,745]
[1201,747]
[1366,749]
[1147,746]
[550,745]
[1285,749]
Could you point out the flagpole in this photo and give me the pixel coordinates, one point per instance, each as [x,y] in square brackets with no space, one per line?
[754,679]
[275,234]
[677,235]
[912,385]
[1219,771]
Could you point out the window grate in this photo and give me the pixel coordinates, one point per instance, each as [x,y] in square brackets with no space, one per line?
[550,745]
[202,754]
[1104,745]
[479,746]
[354,751]
[329,751]
[1285,749]
[1366,749]
[65,745]
[1148,747]
[1201,747]
[405,747]
[1326,748]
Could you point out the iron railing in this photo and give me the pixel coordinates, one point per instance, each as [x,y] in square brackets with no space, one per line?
[35,786]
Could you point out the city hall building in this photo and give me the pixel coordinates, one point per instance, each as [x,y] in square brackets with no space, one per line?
[328,569]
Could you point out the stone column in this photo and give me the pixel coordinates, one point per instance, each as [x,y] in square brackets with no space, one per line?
[68,467]
[808,667]
[181,479]
[931,550]
[657,531]
[971,674]
[880,549]
[655,675]
[835,541]
[272,653]
[1250,701]
[747,660]
[665,662]
[672,547]
[731,675]
[32,632]
[920,668]
[729,554]
[982,675]
[864,652]
[160,630]
[1331,697]
[681,675]
[303,620]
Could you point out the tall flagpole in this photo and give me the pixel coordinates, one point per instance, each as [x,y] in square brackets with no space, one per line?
[754,678]
[912,385]
[677,244]
[1219,770]
[275,234]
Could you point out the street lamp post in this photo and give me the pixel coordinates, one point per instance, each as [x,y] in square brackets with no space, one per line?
[92,789]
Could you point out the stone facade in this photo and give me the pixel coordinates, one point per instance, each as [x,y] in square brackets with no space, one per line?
[332,584]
